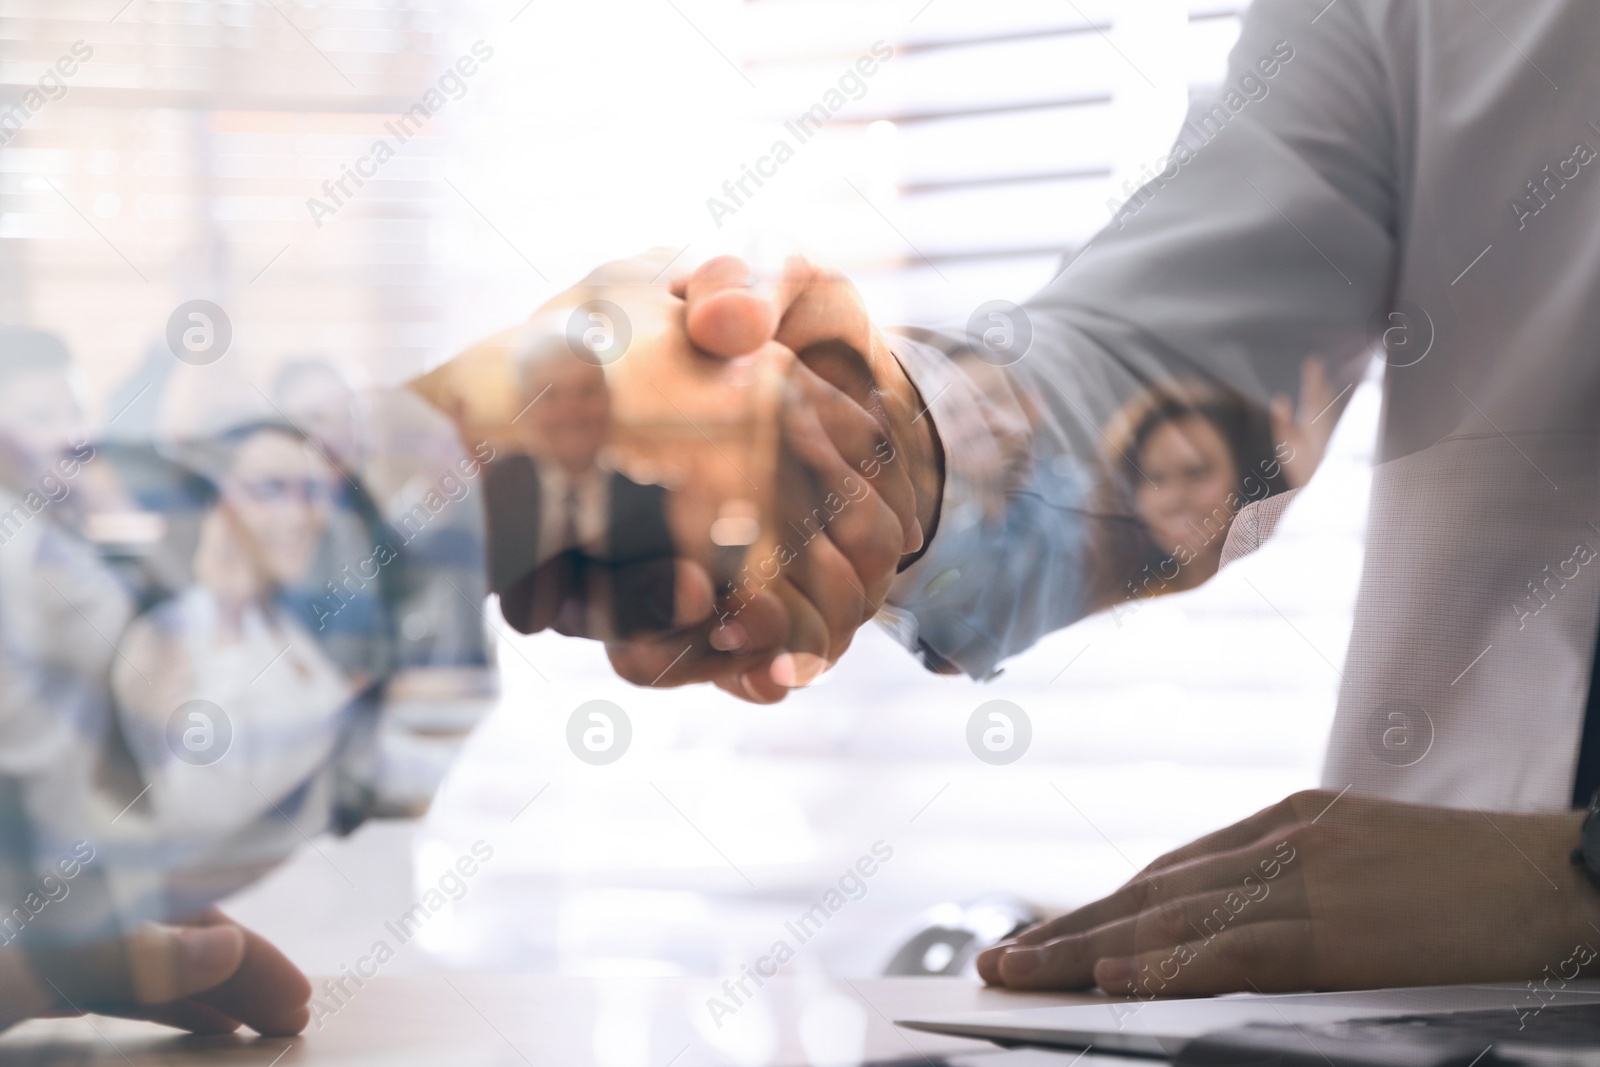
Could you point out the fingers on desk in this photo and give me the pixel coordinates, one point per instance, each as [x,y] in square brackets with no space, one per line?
[267,992]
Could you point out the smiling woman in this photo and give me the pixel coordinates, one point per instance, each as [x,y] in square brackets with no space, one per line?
[1180,463]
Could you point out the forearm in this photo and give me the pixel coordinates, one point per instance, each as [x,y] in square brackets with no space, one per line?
[1003,564]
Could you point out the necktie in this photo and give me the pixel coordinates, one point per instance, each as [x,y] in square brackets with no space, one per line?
[569,528]
[571,610]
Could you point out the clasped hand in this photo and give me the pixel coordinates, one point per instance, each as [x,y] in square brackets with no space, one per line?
[854,480]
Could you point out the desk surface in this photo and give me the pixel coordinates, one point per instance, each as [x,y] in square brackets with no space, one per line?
[475,1020]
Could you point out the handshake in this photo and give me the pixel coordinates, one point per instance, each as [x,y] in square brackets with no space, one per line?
[717,475]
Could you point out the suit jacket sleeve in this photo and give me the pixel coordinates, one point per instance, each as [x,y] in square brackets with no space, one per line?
[511,489]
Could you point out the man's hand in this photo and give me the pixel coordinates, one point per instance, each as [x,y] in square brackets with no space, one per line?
[208,976]
[506,397]
[854,430]
[818,314]
[851,469]
[1326,892]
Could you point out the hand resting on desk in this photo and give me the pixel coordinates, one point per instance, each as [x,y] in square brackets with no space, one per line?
[210,976]
[1326,892]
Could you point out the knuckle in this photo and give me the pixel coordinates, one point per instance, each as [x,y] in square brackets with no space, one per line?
[1307,802]
[1239,951]
[1302,836]
[1161,862]
[631,672]
[869,547]
[877,560]
[1156,889]
[1169,923]
[1058,952]
[717,263]
[840,622]
[1128,899]
[1042,931]
[843,626]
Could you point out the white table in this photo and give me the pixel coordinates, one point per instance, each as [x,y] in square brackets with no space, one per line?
[478,1020]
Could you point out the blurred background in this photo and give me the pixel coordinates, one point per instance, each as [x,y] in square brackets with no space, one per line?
[198,154]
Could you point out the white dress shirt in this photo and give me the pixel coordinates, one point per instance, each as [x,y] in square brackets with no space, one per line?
[557,521]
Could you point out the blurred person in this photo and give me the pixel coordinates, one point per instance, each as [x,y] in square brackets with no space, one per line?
[1180,462]
[314,395]
[599,533]
[41,404]
[410,609]
[58,600]
[47,455]
[44,429]
[56,596]
[228,641]
[382,613]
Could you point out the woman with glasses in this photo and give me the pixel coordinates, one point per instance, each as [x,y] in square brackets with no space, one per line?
[230,707]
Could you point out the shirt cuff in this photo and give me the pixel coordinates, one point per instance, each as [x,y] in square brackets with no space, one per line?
[925,607]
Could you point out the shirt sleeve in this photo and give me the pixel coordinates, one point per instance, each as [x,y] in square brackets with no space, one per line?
[1266,234]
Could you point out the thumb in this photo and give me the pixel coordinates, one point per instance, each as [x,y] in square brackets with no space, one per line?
[726,314]
[731,311]
[168,963]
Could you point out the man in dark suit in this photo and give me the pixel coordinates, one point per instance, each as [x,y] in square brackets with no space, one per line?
[565,530]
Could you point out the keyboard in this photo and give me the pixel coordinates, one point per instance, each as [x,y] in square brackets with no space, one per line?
[1557,1034]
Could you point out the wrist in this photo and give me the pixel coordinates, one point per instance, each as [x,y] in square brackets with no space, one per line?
[922,450]
[927,483]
